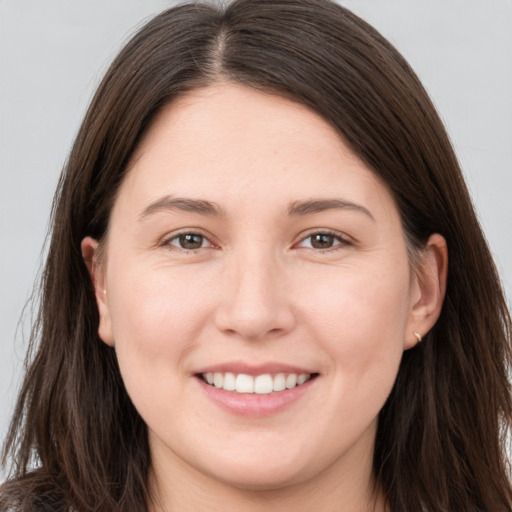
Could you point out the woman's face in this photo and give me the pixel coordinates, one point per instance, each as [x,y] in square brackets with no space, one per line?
[248,245]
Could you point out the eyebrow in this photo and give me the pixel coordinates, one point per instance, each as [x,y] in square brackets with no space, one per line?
[203,207]
[300,208]
[170,203]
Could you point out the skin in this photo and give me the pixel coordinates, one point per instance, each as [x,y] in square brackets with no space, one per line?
[257,290]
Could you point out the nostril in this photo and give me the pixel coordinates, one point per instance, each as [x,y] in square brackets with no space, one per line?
[255,322]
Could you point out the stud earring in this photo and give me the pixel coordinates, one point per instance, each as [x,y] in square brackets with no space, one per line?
[418,336]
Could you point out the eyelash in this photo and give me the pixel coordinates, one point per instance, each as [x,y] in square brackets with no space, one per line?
[342,241]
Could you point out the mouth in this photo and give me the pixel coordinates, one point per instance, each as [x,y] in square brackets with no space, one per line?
[264,384]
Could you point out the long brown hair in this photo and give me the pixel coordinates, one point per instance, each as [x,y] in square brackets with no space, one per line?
[76,440]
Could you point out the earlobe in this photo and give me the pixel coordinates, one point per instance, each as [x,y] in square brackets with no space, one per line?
[90,254]
[429,289]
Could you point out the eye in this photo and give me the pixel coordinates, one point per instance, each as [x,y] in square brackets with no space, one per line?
[323,240]
[189,241]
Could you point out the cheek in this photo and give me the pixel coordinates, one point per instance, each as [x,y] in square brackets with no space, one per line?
[156,319]
[360,320]
[359,323]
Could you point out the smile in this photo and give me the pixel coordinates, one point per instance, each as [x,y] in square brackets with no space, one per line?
[259,384]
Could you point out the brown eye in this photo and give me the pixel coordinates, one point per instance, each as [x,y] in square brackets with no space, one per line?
[322,241]
[188,241]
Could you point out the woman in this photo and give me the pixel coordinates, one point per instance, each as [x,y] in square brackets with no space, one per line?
[266,287]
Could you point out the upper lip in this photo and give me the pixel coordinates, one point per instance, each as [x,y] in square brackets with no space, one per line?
[238,367]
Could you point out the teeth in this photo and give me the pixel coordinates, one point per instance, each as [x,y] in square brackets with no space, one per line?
[302,378]
[261,384]
[244,384]
[218,380]
[229,382]
[280,382]
[291,380]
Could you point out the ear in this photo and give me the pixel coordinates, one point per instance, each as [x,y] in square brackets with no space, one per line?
[427,289]
[90,254]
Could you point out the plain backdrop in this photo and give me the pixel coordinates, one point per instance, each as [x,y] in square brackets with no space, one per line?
[54,52]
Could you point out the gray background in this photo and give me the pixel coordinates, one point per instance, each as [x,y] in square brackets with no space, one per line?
[53,53]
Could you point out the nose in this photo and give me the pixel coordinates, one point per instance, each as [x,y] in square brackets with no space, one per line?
[256,304]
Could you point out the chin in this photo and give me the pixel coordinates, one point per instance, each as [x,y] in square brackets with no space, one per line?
[263,473]
[261,479]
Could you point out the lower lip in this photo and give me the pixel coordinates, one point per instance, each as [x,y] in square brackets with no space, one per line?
[253,404]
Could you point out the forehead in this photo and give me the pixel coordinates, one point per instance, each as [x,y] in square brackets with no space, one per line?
[219,116]
[227,142]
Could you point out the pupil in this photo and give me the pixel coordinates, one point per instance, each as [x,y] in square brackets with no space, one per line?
[322,241]
[191,241]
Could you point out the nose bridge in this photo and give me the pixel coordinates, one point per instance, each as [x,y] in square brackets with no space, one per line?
[255,301]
